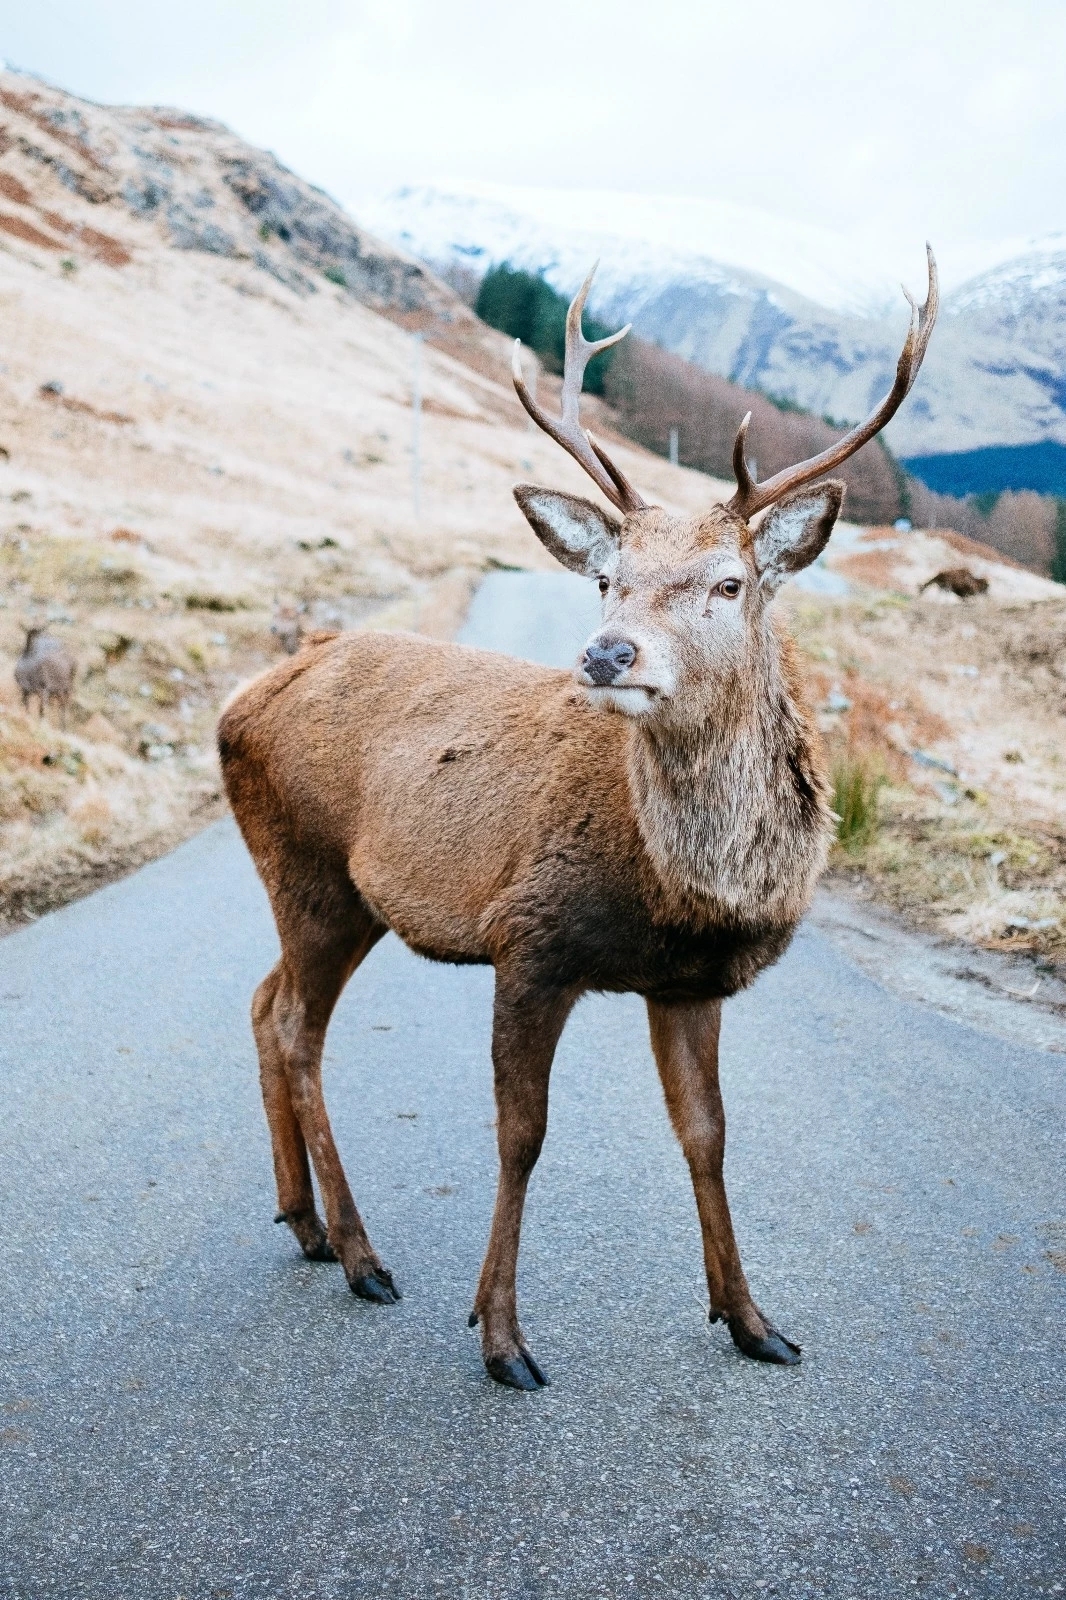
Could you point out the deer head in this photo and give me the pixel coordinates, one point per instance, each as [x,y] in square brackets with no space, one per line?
[685,599]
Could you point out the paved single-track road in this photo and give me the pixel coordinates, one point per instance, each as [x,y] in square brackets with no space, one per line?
[191,1409]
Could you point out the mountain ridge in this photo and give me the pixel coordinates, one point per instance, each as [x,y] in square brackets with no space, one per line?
[182,173]
[995,370]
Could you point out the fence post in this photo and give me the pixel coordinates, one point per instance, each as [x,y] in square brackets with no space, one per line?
[416,429]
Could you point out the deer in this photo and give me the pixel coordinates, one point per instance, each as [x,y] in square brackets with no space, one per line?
[653,821]
[287,628]
[45,669]
[959,581]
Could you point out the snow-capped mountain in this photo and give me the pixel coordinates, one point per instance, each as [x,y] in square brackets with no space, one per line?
[794,310]
[648,237]
[1016,285]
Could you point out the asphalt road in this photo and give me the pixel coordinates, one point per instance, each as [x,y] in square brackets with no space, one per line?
[191,1409]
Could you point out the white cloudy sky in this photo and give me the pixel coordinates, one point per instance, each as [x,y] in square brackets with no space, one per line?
[889,122]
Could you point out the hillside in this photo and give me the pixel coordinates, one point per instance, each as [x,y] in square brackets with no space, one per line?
[197,424]
[824,333]
[197,428]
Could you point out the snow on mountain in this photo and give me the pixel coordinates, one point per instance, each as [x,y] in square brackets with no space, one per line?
[1038,274]
[646,237]
[792,309]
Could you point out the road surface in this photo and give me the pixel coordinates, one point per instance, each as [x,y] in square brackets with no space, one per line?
[189,1409]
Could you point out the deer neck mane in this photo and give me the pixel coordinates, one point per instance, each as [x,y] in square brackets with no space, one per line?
[733,814]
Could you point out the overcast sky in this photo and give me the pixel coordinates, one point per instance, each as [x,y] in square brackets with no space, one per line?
[891,122]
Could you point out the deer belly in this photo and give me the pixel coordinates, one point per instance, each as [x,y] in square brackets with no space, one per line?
[440,933]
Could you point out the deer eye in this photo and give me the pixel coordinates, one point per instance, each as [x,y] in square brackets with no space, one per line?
[604,583]
[730,587]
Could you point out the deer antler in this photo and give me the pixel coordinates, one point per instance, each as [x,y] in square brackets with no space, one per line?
[752,497]
[567,430]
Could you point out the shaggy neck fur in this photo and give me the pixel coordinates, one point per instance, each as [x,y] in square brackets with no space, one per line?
[733,814]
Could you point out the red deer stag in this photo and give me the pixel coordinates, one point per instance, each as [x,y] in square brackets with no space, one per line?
[653,822]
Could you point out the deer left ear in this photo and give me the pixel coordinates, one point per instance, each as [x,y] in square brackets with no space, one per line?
[796,532]
[578,533]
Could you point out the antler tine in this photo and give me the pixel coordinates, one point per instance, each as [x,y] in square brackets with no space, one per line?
[741,471]
[566,429]
[752,497]
[579,350]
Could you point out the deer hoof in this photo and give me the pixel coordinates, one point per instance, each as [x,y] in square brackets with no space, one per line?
[516,1372]
[376,1286]
[771,1346]
[310,1234]
[320,1249]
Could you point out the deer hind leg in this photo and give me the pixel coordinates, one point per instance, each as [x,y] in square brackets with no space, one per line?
[292,1170]
[290,1014]
[685,1041]
[526,1028]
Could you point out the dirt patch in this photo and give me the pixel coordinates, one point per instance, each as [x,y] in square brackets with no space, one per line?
[103,247]
[436,408]
[55,396]
[19,228]
[874,568]
[12,189]
[99,245]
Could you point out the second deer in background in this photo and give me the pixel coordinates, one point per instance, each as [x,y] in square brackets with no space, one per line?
[45,669]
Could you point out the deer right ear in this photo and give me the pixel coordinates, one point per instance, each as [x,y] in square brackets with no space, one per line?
[576,532]
[796,532]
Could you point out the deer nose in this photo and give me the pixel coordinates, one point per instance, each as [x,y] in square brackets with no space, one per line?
[605,659]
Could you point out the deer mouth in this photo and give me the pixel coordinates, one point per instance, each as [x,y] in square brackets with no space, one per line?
[622,688]
[627,699]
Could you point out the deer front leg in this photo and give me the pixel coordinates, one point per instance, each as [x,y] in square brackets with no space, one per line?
[684,1038]
[526,1026]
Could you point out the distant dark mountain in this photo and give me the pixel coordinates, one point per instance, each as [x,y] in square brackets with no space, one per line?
[1000,466]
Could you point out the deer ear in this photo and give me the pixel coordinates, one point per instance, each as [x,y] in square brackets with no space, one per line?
[796,532]
[576,532]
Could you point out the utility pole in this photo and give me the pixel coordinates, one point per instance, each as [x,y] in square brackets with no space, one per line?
[416,430]
[673,447]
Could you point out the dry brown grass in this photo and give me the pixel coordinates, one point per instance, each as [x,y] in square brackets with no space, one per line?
[977,852]
[134,771]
